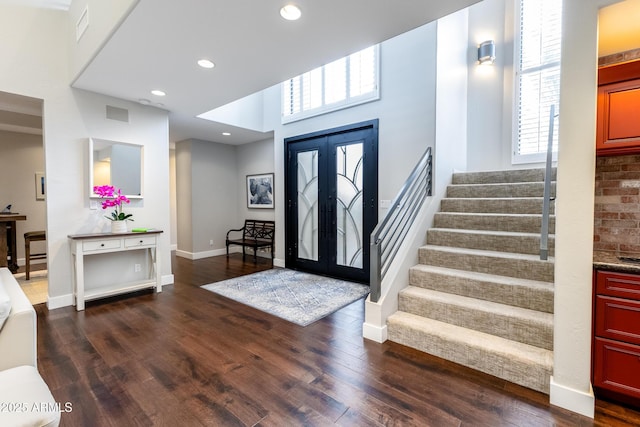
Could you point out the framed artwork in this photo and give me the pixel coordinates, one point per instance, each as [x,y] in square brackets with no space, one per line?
[260,191]
[40,186]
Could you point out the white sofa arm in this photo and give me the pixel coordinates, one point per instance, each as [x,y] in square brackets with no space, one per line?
[18,335]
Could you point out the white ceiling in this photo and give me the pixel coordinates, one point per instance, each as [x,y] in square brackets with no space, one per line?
[253,48]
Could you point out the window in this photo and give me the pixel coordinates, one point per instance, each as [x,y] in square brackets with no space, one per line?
[538,77]
[343,83]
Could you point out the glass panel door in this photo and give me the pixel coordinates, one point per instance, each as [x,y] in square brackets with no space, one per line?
[349,220]
[307,201]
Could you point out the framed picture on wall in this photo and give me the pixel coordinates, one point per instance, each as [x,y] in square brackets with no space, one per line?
[40,187]
[260,191]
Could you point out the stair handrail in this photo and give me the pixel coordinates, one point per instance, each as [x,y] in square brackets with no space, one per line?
[546,201]
[389,234]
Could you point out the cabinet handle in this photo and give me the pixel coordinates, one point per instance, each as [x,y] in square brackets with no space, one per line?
[140,241]
[101,245]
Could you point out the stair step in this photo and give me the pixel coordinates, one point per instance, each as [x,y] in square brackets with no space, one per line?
[502,263]
[510,205]
[530,294]
[512,361]
[517,189]
[515,175]
[502,241]
[513,323]
[523,223]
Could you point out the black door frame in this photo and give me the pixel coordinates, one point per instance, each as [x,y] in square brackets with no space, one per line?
[370,218]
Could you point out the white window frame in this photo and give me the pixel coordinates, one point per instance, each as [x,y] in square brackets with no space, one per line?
[335,106]
[539,157]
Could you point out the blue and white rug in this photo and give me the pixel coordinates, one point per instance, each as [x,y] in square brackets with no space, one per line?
[300,298]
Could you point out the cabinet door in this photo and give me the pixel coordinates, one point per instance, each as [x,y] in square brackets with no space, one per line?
[619,118]
[617,367]
[618,319]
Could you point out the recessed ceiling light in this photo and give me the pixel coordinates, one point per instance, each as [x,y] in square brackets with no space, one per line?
[205,63]
[144,101]
[157,92]
[226,133]
[290,12]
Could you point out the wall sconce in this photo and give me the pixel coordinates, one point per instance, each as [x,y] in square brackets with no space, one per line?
[486,53]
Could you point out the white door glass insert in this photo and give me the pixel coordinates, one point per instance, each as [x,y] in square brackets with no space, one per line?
[349,205]
[307,170]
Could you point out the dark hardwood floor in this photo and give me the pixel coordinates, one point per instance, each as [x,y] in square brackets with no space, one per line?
[188,357]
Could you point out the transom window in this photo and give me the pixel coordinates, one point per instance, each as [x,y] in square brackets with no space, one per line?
[343,83]
[538,77]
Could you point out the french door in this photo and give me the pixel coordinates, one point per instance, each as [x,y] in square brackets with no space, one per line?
[332,198]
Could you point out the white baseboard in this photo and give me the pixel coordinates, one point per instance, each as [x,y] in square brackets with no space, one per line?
[573,400]
[59,302]
[277,262]
[167,279]
[374,333]
[206,254]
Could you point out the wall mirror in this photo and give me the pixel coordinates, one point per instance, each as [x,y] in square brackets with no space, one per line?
[115,163]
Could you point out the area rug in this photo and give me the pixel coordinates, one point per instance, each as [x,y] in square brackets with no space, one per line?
[36,288]
[300,298]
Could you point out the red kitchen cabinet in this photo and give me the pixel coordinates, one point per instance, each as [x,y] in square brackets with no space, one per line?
[616,346]
[618,123]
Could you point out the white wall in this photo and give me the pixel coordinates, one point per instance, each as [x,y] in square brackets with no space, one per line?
[406,110]
[35,62]
[104,17]
[21,156]
[490,87]
[571,381]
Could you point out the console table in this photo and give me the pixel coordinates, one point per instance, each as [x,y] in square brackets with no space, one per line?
[83,245]
[8,240]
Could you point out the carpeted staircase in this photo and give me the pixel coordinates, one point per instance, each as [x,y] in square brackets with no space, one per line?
[481,296]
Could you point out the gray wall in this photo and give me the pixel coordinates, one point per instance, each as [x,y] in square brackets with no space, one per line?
[256,158]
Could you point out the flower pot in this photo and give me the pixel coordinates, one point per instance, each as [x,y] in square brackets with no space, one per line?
[118,226]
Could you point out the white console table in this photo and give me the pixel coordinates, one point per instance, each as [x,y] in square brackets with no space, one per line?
[95,244]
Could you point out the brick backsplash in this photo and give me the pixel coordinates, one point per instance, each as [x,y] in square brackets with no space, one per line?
[617,205]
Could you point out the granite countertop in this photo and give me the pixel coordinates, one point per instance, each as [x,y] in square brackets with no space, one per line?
[610,261]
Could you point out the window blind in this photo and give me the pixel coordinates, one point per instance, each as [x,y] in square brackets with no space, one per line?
[339,84]
[538,74]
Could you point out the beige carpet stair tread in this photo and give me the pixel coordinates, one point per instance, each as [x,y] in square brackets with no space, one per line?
[525,266]
[515,175]
[528,223]
[514,323]
[496,254]
[486,306]
[486,277]
[521,205]
[513,361]
[502,241]
[502,190]
[526,293]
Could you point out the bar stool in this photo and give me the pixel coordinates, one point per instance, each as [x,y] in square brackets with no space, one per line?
[32,236]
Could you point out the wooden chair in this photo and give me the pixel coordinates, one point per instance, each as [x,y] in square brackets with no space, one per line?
[32,236]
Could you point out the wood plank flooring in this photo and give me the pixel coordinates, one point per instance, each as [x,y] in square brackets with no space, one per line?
[188,357]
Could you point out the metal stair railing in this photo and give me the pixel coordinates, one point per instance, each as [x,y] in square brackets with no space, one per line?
[546,203]
[389,234]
